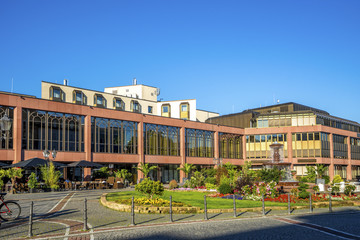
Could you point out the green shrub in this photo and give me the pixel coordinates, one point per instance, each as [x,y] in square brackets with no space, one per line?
[208,172]
[50,175]
[197,180]
[268,175]
[225,188]
[349,190]
[326,178]
[335,190]
[302,190]
[173,184]
[32,183]
[150,187]
[221,172]
[316,188]
[211,180]
[210,186]
[337,179]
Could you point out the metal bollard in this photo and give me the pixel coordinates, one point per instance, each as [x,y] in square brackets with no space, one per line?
[234,205]
[132,212]
[310,202]
[205,209]
[85,228]
[171,217]
[263,205]
[330,203]
[289,204]
[31,219]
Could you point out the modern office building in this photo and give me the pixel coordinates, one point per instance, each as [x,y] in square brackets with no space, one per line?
[79,126]
[309,135]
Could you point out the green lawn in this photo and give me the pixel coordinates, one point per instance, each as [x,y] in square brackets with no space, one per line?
[196,199]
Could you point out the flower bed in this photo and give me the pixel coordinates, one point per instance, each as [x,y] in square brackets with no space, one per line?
[226,196]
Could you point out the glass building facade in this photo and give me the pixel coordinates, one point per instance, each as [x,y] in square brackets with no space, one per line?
[258,146]
[230,146]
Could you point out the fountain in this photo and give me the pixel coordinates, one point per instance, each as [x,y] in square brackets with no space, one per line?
[277,160]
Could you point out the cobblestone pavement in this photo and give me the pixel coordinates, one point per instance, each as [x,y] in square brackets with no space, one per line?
[60,215]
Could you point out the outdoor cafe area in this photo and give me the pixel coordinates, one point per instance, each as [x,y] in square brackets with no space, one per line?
[81,175]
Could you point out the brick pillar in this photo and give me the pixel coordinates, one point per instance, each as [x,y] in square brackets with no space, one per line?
[331,167]
[182,151]
[87,174]
[17,134]
[244,147]
[87,138]
[141,152]
[348,169]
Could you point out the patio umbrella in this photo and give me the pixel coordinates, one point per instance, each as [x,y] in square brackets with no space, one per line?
[3,164]
[35,163]
[84,164]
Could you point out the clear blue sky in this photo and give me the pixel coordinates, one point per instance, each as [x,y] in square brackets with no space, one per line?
[229,55]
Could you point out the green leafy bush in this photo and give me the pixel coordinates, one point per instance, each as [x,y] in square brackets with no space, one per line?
[337,179]
[210,186]
[221,172]
[302,190]
[150,187]
[268,175]
[197,180]
[211,180]
[225,188]
[349,190]
[335,190]
[316,188]
[32,183]
[50,175]
[173,184]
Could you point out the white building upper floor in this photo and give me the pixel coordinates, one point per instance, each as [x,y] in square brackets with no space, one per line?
[133,98]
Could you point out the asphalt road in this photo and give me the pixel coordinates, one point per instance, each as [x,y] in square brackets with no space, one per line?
[60,216]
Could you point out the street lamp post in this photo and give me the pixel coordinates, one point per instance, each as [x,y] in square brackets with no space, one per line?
[47,153]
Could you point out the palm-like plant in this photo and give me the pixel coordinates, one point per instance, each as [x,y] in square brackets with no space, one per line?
[187,168]
[13,174]
[320,170]
[123,173]
[145,169]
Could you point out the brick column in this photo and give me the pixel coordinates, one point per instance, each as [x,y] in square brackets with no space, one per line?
[348,168]
[141,152]
[244,147]
[182,151]
[17,134]
[87,138]
[87,174]
[331,167]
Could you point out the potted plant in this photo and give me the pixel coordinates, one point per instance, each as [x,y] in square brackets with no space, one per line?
[32,183]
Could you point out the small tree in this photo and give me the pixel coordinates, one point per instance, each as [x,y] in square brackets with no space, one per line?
[123,173]
[145,169]
[187,168]
[13,174]
[321,170]
[32,183]
[2,175]
[50,175]
[150,188]
[316,189]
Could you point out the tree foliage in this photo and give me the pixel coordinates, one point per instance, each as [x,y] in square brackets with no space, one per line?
[13,174]
[145,168]
[50,175]
[150,188]
[187,168]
